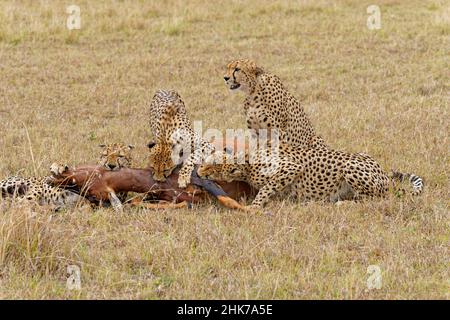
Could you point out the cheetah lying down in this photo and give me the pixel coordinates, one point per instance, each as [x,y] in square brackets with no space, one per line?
[44,190]
[39,190]
[313,174]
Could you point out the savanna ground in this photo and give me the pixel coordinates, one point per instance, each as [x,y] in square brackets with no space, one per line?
[384,92]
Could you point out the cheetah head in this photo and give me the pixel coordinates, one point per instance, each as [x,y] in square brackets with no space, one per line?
[115,156]
[241,74]
[162,160]
[57,169]
[221,166]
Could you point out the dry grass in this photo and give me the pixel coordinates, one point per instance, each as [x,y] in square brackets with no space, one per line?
[383,92]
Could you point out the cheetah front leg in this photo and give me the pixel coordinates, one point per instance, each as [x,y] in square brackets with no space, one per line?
[184,176]
[264,195]
[261,199]
[276,184]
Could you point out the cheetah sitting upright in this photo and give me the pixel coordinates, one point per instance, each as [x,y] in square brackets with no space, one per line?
[314,174]
[268,105]
[174,136]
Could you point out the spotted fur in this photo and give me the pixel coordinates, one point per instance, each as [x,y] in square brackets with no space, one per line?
[115,156]
[175,140]
[269,105]
[313,174]
[38,190]
[415,181]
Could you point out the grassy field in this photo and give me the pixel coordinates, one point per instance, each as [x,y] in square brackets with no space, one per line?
[385,92]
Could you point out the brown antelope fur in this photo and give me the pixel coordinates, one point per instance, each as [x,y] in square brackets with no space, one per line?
[98,183]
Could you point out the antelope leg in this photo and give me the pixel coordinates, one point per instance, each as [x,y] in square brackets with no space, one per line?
[230,203]
[115,202]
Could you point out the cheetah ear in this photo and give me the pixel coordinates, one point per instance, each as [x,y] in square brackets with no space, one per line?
[250,63]
[253,67]
[151,144]
[258,71]
[102,145]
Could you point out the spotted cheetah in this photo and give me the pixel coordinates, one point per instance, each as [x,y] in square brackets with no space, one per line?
[314,173]
[268,105]
[175,140]
[39,190]
[42,191]
[115,156]
[115,199]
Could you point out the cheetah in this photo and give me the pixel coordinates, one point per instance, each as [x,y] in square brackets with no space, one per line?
[313,174]
[42,191]
[39,190]
[116,200]
[115,156]
[268,105]
[175,140]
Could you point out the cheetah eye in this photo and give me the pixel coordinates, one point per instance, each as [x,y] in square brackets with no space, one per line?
[234,170]
[237,69]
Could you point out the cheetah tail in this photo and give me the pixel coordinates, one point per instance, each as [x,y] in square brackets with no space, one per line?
[416,181]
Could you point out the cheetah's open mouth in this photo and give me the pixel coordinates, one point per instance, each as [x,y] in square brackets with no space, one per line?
[235,86]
